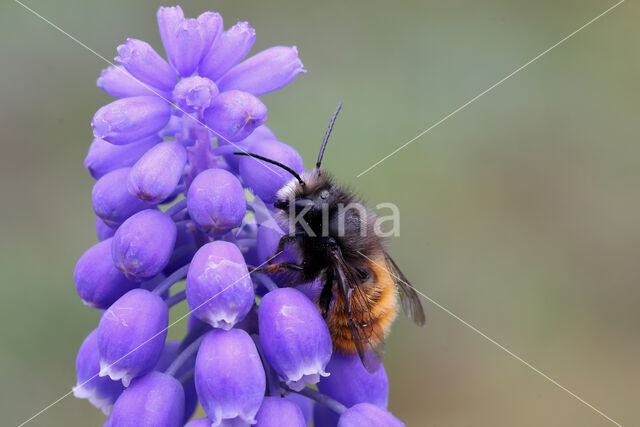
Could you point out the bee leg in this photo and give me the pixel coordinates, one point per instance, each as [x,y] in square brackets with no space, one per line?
[287,238]
[278,267]
[326,295]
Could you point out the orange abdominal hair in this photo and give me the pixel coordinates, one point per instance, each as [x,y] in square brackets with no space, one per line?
[378,307]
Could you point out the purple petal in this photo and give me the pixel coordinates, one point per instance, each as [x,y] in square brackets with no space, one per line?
[98,282]
[143,244]
[219,289]
[119,83]
[230,378]
[366,414]
[216,201]
[294,337]
[157,173]
[266,179]
[228,49]
[234,115]
[104,157]
[305,404]
[144,63]
[130,119]
[131,335]
[112,202]
[277,412]
[156,399]
[269,70]
[187,47]
[195,93]
[211,26]
[101,392]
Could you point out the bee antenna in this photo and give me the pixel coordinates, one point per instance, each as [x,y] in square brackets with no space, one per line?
[273,162]
[326,135]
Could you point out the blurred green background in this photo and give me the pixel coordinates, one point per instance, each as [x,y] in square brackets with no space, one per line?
[519,214]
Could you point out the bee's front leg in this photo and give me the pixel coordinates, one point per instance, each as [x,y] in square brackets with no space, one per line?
[287,238]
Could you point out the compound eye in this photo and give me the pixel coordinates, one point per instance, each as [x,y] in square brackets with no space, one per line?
[324,194]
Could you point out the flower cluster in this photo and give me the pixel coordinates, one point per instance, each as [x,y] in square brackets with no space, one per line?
[173,203]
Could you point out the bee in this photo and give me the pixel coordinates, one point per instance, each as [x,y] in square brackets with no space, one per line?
[336,243]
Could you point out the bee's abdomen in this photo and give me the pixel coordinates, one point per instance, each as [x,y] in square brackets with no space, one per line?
[375,311]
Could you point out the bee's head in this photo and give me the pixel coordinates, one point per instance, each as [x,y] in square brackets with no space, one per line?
[311,193]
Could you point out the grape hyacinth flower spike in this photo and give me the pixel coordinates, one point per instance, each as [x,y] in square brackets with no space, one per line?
[174,204]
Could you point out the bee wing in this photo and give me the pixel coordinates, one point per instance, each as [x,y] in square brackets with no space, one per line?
[357,304]
[409,299]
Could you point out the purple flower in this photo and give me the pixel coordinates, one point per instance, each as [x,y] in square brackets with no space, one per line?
[216,201]
[104,157]
[350,383]
[156,175]
[130,119]
[219,289]
[112,202]
[234,115]
[278,411]
[98,282]
[367,414]
[294,337]
[156,399]
[193,94]
[143,244]
[119,83]
[229,49]
[199,422]
[139,58]
[264,179]
[230,378]
[270,70]
[131,335]
[100,391]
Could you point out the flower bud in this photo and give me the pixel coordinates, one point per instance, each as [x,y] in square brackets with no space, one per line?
[230,378]
[112,203]
[269,70]
[98,282]
[187,40]
[157,173]
[216,201]
[261,133]
[367,414]
[235,114]
[228,49]
[156,399]
[131,335]
[211,26]
[294,337]
[101,392]
[104,157]
[119,83]
[219,289]
[139,58]
[103,230]
[195,93]
[350,383]
[263,178]
[278,411]
[143,244]
[130,119]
